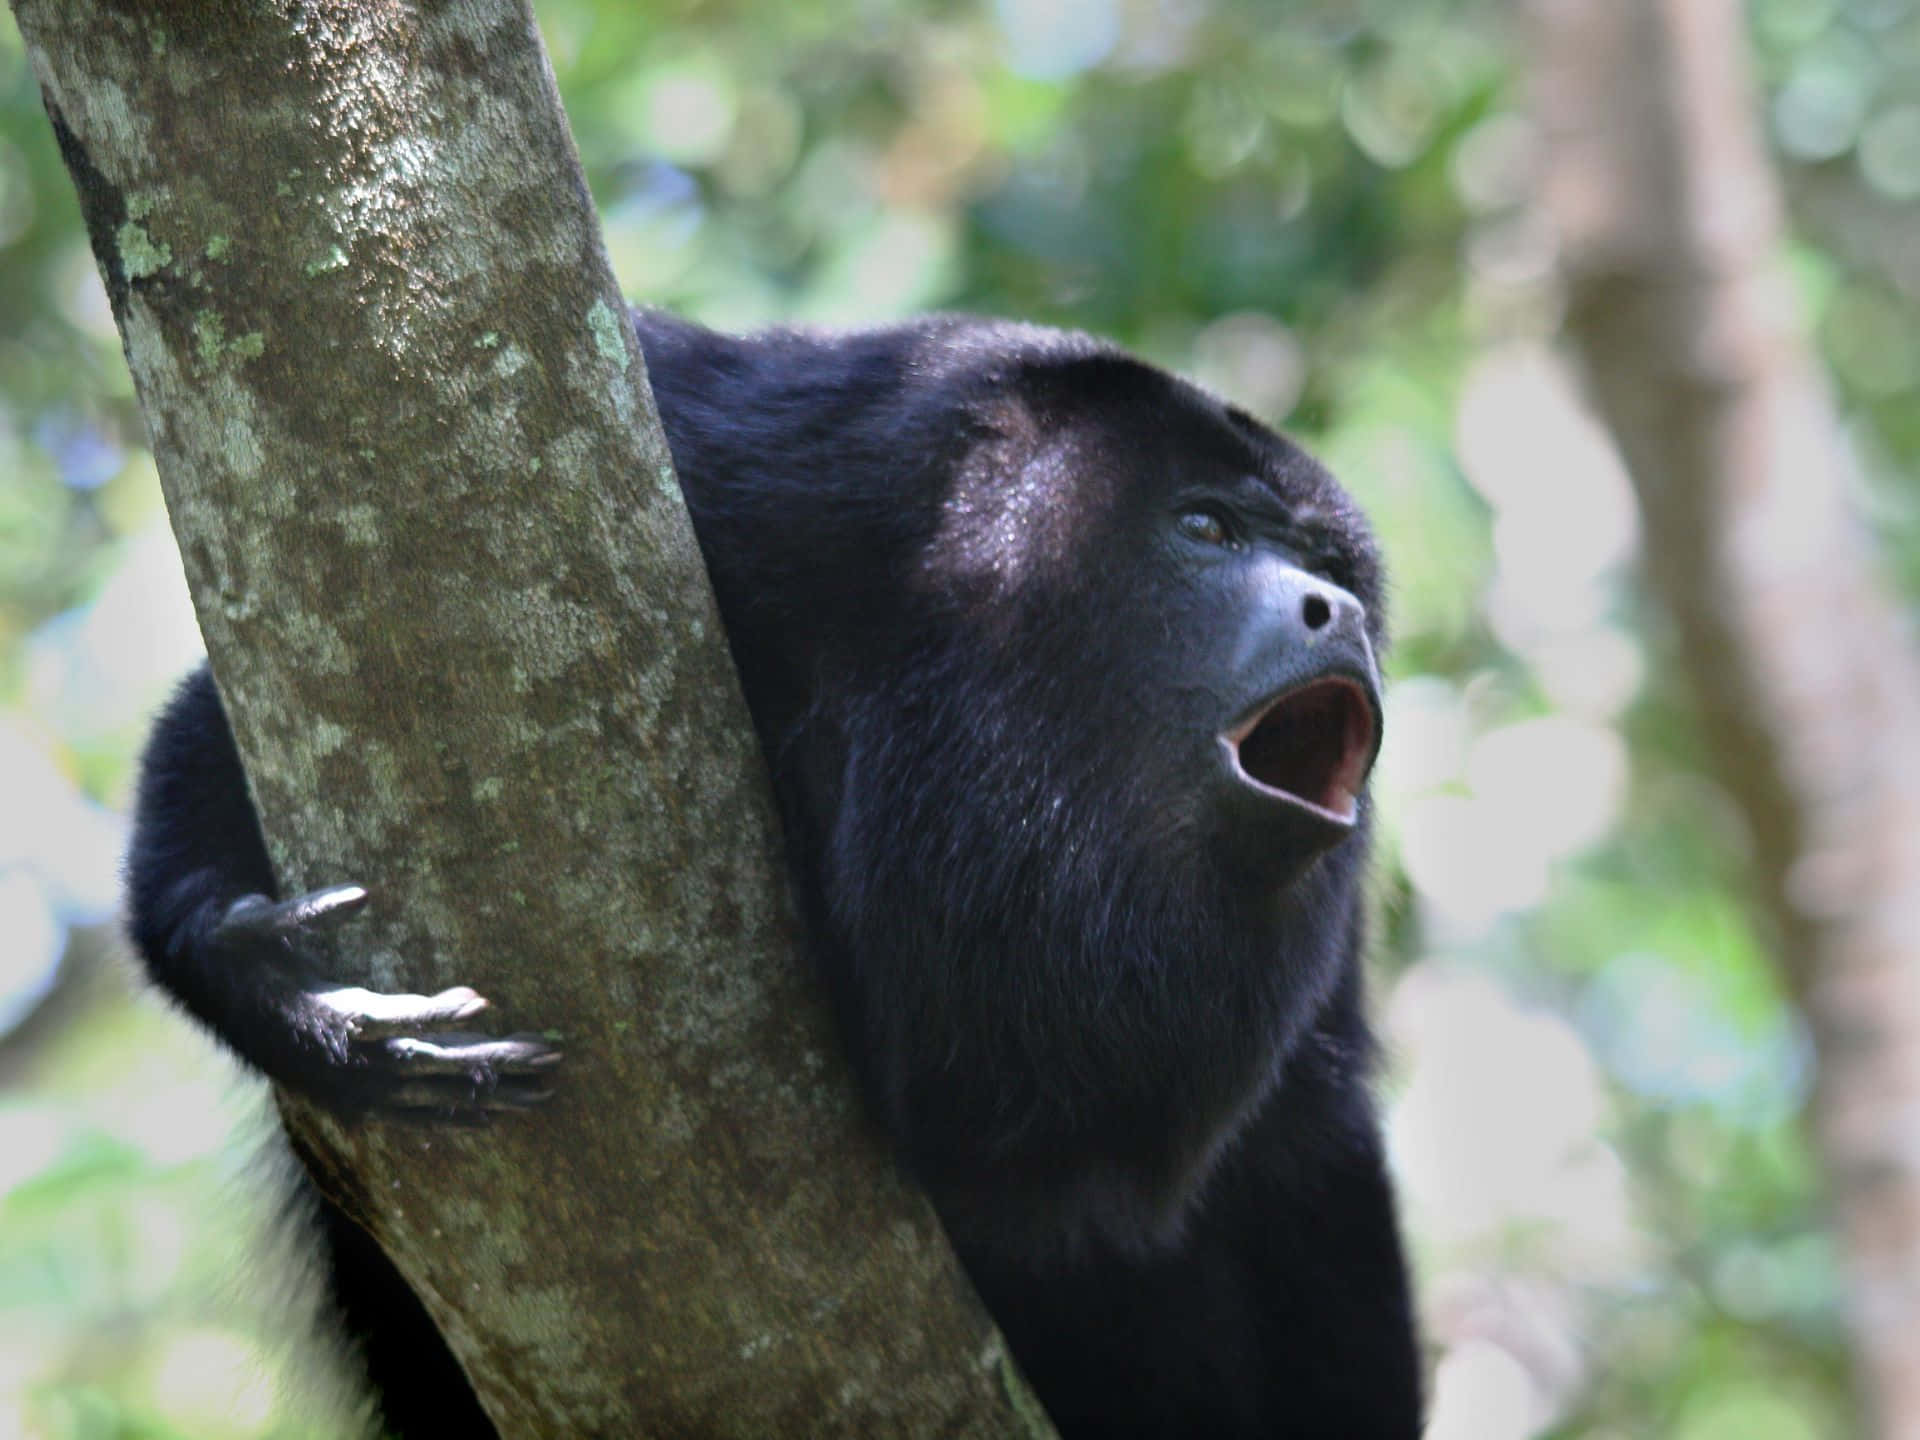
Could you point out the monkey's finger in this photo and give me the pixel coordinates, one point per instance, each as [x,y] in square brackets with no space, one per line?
[472,1056]
[372,1012]
[328,906]
[255,918]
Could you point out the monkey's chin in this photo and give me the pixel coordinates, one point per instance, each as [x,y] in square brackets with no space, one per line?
[1308,747]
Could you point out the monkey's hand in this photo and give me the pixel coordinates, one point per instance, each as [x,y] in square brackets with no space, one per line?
[361,1051]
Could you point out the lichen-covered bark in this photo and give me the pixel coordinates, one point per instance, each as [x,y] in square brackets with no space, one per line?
[1669,220]
[455,606]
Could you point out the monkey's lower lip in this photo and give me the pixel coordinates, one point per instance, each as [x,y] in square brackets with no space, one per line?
[1309,746]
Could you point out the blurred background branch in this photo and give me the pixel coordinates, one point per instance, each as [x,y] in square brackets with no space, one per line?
[1801,662]
[1801,665]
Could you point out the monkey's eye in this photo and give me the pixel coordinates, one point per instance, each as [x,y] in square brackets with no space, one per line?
[1207,526]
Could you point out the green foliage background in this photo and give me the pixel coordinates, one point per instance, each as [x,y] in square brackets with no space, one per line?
[1324,210]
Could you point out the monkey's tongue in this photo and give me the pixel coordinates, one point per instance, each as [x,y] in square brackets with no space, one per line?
[1312,745]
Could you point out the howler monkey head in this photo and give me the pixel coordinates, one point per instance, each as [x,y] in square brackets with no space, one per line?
[1205,595]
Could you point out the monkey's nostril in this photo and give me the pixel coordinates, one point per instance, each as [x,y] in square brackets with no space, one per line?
[1316,612]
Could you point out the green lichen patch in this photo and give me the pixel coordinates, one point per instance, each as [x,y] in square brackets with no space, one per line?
[209,336]
[140,254]
[607,336]
[210,340]
[334,259]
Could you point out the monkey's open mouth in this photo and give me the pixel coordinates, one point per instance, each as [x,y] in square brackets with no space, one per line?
[1312,745]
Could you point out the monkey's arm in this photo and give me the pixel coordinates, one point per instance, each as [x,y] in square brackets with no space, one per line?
[206,916]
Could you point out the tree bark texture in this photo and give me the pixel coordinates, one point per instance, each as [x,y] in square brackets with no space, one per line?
[456,609]
[1669,220]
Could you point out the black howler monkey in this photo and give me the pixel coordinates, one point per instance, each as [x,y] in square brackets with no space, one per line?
[1066,674]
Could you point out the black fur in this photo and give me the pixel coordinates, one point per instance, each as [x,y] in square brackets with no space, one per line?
[1102,995]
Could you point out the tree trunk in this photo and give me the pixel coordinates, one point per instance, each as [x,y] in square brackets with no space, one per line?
[456,609]
[1669,221]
